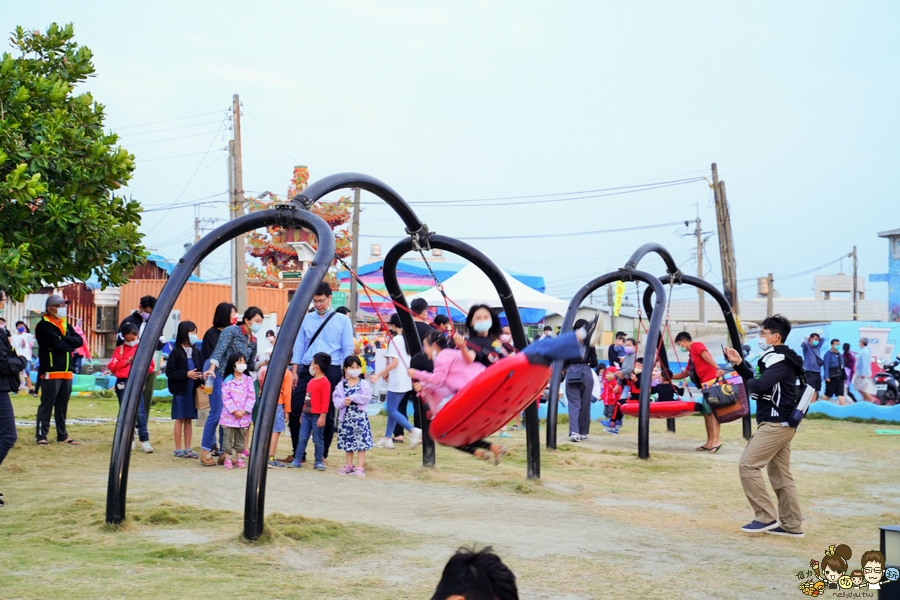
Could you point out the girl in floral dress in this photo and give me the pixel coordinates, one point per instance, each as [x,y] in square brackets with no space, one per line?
[351,396]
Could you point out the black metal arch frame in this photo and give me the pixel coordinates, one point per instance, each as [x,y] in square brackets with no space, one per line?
[493,272]
[730,322]
[289,215]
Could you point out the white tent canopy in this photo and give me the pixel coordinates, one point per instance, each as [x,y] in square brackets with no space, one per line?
[471,286]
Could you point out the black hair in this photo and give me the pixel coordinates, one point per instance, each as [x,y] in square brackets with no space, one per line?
[815,335]
[232,360]
[846,347]
[441,320]
[148,302]
[777,324]
[323,361]
[128,328]
[833,341]
[494,331]
[683,336]
[352,360]
[270,332]
[378,344]
[631,340]
[579,324]
[23,324]
[222,316]
[343,310]
[547,328]
[395,321]
[438,338]
[620,334]
[251,312]
[639,360]
[184,330]
[477,575]
[419,305]
[323,290]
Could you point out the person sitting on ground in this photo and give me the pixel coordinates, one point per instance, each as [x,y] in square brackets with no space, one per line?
[481,575]
[120,366]
[703,373]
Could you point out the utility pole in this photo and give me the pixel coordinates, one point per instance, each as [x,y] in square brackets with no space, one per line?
[197,237]
[701,295]
[855,291]
[770,296]
[354,257]
[610,300]
[238,264]
[726,244]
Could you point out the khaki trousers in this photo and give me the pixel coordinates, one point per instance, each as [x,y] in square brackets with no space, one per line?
[233,440]
[770,447]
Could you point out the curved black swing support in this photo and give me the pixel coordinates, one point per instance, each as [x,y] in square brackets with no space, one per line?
[730,322]
[290,215]
[626,273]
[423,239]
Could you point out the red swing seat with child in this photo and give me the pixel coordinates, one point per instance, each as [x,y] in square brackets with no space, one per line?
[489,401]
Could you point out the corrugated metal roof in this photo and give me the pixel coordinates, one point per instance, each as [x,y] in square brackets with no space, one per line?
[169,265]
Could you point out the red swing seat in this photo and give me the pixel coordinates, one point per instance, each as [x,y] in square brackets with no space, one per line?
[489,401]
[663,410]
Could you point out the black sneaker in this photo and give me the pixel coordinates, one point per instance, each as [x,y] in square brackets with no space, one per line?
[758,527]
[785,532]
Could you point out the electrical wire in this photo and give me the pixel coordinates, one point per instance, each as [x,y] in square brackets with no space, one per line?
[215,112]
[146,160]
[169,129]
[550,235]
[176,138]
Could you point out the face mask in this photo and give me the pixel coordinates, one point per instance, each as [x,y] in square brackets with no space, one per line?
[240,367]
[21,329]
[234,320]
[255,327]
[682,348]
[61,312]
[610,376]
[506,338]
[312,370]
[814,343]
[482,326]
[193,338]
[145,315]
[761,342]
[272,341]
[132,343]
[353,372]
[629,349]
[638,371]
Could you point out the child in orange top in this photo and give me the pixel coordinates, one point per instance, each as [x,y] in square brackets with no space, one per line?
[281,413]
[120,367]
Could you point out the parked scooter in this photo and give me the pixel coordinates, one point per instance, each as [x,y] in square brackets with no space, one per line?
[887,383]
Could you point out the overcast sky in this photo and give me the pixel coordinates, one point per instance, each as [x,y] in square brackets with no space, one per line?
[796,102]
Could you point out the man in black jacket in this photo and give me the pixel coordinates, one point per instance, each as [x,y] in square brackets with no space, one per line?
[10,365]
[774,388]
[139,319]
[57,341]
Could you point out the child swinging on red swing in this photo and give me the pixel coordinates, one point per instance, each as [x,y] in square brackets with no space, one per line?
[454,368]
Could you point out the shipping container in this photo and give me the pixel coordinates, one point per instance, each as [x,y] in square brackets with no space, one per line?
[197,301]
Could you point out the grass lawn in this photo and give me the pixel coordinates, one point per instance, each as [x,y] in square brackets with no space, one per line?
[598,522]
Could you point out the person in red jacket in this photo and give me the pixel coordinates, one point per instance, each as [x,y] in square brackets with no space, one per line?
[120,367]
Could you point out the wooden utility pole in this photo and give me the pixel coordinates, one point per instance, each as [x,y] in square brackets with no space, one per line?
[770,295]
[726,244]
[197,237]
[354,256]
[238,265]
[701,295]
[855,291]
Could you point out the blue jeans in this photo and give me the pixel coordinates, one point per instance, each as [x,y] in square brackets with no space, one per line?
[8,434]
[143,434]
[308,427]
[394,415]
[215,412]
[563,347]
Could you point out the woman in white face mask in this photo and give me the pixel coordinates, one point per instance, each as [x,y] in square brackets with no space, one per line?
[183,372]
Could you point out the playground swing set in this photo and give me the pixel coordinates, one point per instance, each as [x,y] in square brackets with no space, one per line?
[492,399]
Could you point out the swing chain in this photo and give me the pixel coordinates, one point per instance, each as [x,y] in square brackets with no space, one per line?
[420,239]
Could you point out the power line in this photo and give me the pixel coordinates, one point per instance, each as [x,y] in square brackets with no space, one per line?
[171,128]
[144,160]
[549,235]
[177,138]
[271,139]
[149,207]
[168,120]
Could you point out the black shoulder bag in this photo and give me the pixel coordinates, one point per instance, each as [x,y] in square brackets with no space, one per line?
[319,330]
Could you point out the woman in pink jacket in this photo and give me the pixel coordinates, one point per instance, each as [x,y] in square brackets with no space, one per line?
[451,374]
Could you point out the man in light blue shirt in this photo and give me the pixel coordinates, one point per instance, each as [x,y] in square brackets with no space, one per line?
[862,381]
[323,330]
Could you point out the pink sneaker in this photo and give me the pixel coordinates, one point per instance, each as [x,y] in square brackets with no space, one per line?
[358,472]
[229,464]
[240,464]
[345,470]
[245,454]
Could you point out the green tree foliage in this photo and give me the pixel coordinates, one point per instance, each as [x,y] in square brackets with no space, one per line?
[60,217]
